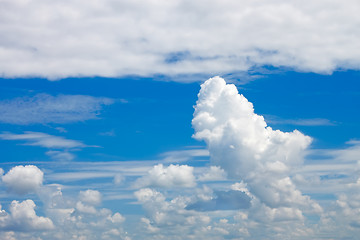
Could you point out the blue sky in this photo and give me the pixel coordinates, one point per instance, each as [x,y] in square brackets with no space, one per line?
[179,120]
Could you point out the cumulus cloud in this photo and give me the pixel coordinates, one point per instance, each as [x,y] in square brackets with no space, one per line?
[168,214]
[171,176]
[91,197]
[214,173]
[84,208]
[111,38]
[242,144]
[44,108]
[22,217]
[23,179]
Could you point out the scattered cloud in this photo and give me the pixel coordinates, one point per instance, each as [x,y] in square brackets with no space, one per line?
[23,179]
[91,197]
[44,108]
[176,38]
[171,176]
[23,218]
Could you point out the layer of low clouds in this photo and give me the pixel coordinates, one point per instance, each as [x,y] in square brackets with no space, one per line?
[44,108]
[112,38]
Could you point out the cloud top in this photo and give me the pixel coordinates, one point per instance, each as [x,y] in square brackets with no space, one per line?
[23,179]
[167,177]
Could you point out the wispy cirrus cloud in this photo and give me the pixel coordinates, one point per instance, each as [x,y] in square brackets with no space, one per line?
[59,147]
[43,140]
[300,121]
[44,108]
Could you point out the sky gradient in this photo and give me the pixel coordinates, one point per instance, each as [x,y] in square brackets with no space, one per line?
[179,120]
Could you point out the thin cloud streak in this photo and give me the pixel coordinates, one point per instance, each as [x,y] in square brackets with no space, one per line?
[44,108]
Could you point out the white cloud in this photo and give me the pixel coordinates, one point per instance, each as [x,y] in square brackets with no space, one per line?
[242,144]
[44,108]
[22,217]
[91,197]
[214,173]
[171,176]
[170,216]
[84,208]
[23,179]
[117,218]
[111,38]
[43,140]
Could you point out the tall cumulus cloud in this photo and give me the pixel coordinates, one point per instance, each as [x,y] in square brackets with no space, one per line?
[242,144]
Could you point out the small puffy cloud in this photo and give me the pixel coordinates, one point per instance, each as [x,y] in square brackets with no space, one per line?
[22,217]
[44,108]
[171,176]
[91,197]
[23,179]
[43,140]
[117,218]
[149,195]
[214,173]
[84,208]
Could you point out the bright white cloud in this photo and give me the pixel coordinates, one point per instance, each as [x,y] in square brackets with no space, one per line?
[44,108]
[171,176]
[112,38]
[22,217]
[242,144]
[23,179]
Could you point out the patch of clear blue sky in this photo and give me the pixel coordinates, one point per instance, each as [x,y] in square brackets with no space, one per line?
[157,117]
